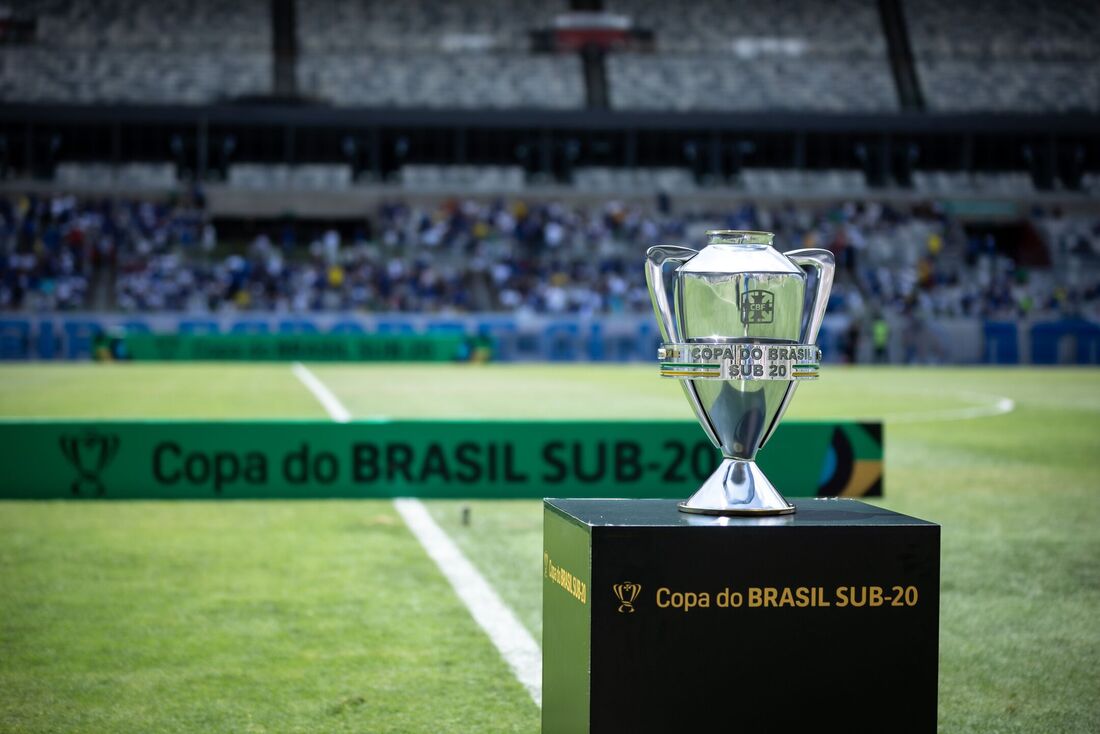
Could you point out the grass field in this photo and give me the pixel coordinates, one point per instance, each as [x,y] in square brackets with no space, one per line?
[328,616]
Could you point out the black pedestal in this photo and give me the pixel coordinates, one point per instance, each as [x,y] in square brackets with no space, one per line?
[659,621]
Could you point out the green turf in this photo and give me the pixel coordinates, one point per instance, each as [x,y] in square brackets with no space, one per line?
[504,540]
[154,391]
[1016,494]
[237,617]
[624,391]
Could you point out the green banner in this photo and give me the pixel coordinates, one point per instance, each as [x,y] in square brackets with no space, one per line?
[302,347]
[484,459]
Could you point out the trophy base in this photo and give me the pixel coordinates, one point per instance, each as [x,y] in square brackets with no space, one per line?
[737,487]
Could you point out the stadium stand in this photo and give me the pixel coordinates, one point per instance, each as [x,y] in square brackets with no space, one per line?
[82,76]
[1026,86]
[474,80]
[66,253]
[420,26]
[417,54]
[954,183]
[618,181]
[166,25]
[465,178]
[719,82]
[711,55]
[747,56]
[784,182]
[314,177]
[768,183]
[428,157]
[134,176]
[176,51]
[368,85]
[428,53]
[1029,56]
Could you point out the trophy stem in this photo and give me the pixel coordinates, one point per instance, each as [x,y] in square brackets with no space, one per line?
[737,487]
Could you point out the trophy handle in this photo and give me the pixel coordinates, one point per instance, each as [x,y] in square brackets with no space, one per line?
[819,266]
[662,285]
[661,281]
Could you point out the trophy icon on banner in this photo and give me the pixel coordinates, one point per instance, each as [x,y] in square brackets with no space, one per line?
[739,321]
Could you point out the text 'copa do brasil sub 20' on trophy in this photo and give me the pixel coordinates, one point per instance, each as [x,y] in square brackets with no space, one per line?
[739,320]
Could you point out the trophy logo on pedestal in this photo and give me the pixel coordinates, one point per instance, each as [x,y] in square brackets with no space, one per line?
[626,593]
[739,322]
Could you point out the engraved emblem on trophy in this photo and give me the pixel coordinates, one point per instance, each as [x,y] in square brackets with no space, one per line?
[739,322]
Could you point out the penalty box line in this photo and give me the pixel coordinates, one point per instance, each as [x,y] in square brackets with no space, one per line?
[511,639]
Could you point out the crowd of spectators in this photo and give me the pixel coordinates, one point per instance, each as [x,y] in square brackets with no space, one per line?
[63,253]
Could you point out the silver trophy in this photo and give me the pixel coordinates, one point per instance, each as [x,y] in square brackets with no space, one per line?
[739,322]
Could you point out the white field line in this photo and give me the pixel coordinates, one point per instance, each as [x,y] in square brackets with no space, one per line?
[330,402]
[998,405]
[511,638]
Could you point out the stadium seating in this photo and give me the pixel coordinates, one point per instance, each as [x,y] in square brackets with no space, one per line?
[465,178]
[614,181]
[721,82]
[1009,29]
[47,75]
[166,25]
[1090,184]
[419,26]
[314,177]
[954,183]
[472,80]
[417,54]
[175,51]
[1028,56]
[838,28]
[1024,86]
[755,56]
[789,182]
[710,54]
[134,176]
[429,53]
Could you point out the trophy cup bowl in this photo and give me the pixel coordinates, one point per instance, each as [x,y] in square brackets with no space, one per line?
[739,321]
